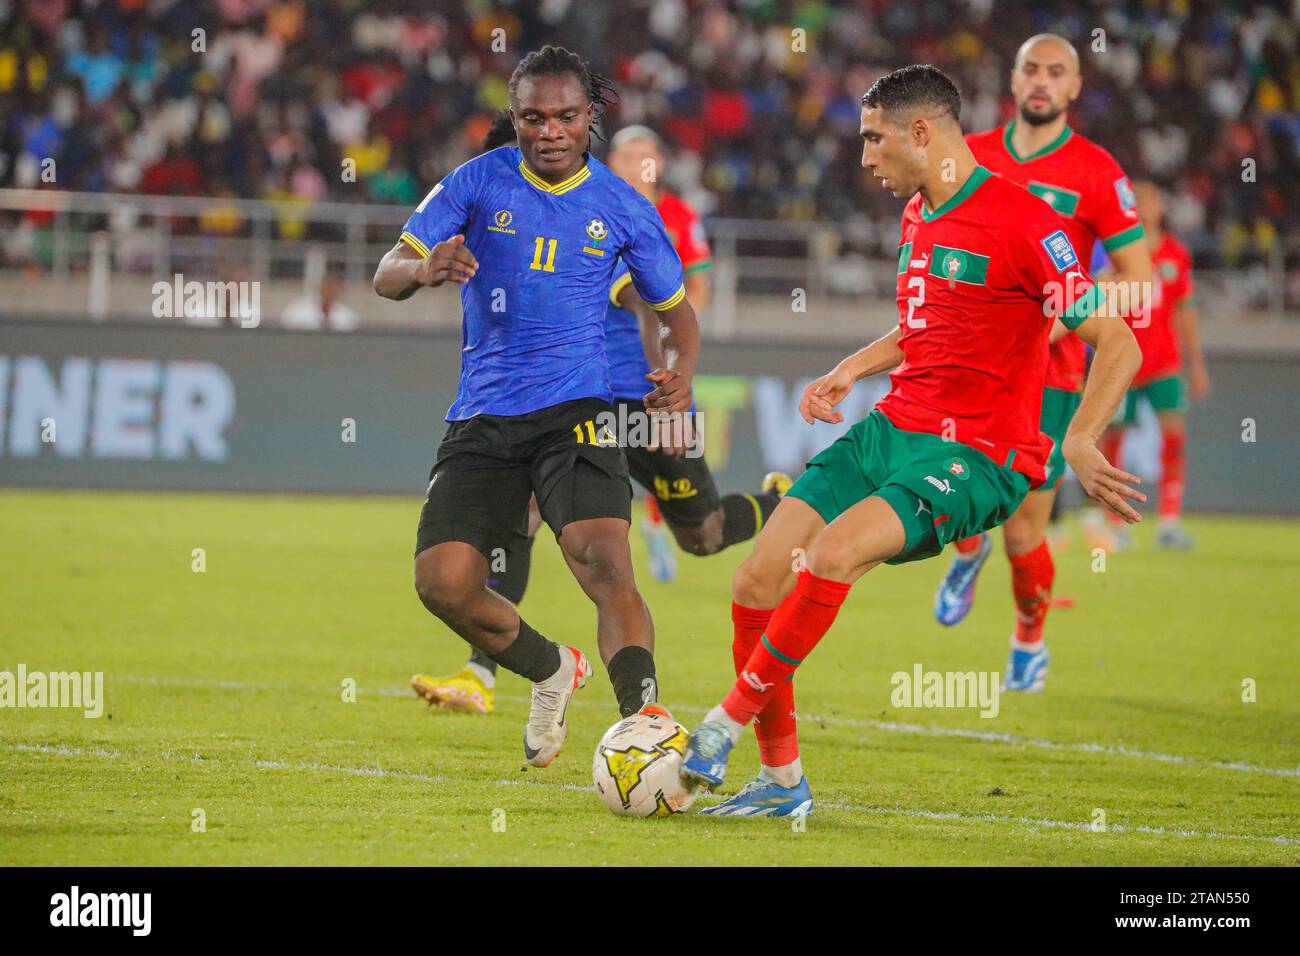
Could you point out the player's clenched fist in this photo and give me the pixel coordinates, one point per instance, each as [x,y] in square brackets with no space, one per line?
[450,261]
[822,395]
[673,393]
[1103,481]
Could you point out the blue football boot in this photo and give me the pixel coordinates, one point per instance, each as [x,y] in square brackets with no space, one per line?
[763,798]
[706,756]
[1026,670]
[956,593]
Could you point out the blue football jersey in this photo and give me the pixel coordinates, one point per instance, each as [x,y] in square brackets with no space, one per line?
[534,314]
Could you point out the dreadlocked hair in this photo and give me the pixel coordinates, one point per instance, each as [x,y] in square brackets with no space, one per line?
[557,61]
[501,131]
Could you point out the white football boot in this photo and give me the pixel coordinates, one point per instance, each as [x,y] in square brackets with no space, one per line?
[544,734]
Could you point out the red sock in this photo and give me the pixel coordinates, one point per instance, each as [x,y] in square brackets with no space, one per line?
[652,511]
[1112,446]
[1172,468]
[796,626]
[1032,574]
[778,740]
[967,545]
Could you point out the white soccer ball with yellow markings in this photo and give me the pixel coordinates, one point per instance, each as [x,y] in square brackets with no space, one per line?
[636,765]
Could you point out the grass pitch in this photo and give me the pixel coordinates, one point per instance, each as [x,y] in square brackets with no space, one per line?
[225,695]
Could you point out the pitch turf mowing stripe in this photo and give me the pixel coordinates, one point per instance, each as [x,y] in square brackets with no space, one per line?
[940,816]
[887,726]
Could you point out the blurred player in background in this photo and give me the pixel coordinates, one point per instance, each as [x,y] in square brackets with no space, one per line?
[1088,190]
[533,235]
[682,493]
[1169,322]
[702,521]
[954,447]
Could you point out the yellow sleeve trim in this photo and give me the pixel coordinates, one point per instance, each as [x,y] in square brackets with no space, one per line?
[415,244]
[619,284]
[668,303]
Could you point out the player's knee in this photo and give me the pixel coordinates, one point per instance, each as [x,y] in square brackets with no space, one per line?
[700,540]
[443,590]
[605,559]
[757,585]
[1020,537]
[832,556]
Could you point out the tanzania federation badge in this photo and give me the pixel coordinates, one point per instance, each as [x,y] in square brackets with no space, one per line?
[596,229]
[957,468]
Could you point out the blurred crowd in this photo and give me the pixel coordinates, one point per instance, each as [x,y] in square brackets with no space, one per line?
[373,100]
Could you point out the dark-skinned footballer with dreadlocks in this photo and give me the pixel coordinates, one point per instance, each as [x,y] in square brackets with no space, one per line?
[680,484]
[532,235]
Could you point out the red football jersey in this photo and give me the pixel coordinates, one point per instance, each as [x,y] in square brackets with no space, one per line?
[1171,269]
[1087,188]
[685,230]
[980,280]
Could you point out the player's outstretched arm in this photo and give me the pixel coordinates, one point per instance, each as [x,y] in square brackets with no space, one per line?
[1116,361]
[403,269]
[680,342]
[823,394]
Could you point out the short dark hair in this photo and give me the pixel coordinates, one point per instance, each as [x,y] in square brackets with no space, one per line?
[918,85]
[557,61]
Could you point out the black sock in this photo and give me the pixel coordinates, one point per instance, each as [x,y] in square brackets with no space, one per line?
[482,660]
[632,672]
[510,584]
[744,515]
[530,655]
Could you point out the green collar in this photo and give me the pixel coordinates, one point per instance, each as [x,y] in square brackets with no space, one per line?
[1050,147]
[973,183]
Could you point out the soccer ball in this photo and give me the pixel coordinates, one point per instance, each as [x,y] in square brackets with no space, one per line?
[636,765]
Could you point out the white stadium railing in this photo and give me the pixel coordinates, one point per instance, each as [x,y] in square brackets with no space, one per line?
[87,242]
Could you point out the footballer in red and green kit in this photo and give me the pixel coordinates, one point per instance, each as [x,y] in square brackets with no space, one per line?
[980,280]
[1171,268]
[985,271]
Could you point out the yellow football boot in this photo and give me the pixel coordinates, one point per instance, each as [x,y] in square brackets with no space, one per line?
[463,691]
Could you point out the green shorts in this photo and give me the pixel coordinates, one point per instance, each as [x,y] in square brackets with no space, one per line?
[1059,407]
[1167,394]
[941,490]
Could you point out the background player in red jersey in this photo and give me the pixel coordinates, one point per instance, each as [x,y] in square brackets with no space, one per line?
[1088,190]
[1170,320]
[953,448]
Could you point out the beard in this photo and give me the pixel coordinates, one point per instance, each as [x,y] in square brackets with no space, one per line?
[1039,119]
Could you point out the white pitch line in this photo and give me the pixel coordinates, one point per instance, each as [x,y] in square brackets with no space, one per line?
[936,815]
[984,736]
[885,726]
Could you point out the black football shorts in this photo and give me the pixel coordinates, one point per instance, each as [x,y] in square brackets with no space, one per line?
[488,465]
